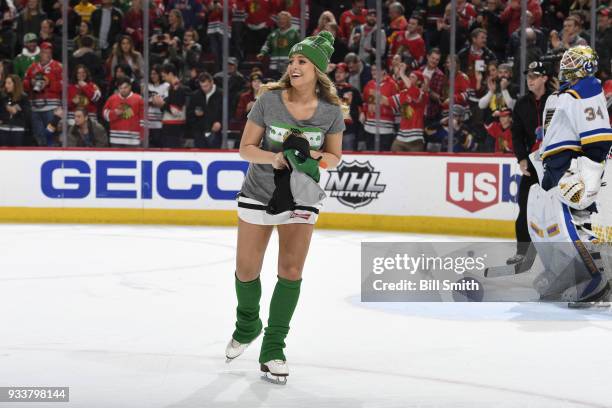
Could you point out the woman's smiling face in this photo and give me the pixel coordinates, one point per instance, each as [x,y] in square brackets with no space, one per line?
[301,71]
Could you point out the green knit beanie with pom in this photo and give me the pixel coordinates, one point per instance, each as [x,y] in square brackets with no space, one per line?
[318,49]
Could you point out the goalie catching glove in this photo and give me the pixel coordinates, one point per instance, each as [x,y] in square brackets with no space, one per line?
[580,184]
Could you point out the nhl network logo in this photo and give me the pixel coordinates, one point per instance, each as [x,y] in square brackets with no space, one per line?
[354,184]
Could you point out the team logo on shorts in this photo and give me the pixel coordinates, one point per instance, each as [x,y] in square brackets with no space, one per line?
[304,216]
[354,184]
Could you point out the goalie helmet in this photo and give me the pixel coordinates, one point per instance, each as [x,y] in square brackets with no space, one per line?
[578,62]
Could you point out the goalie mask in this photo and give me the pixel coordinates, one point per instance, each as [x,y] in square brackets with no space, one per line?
[578,62]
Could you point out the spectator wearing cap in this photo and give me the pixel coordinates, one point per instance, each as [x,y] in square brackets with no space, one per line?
[363,38]
[500,130]
[352,18]
[476,51]
[410,103]
[106,24]
[236,82]
[437,82]
[279,43]
[204,114]
[385,125]
[30,18]
[43,83]
[29,55]
[360,73]
[351,97]
[247,98]
[603,42]
[527,130]
[409,44]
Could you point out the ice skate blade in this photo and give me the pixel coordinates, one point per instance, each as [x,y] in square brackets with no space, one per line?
[588,305]
[274,379]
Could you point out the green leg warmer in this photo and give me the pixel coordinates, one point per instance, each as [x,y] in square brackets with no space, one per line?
[248,323]
[282,305]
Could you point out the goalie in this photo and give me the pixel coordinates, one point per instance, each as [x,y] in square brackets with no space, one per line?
[570,166]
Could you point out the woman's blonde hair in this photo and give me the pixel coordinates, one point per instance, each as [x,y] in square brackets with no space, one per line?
[325,89]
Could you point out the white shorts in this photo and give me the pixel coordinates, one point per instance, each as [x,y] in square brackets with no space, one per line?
[254,212]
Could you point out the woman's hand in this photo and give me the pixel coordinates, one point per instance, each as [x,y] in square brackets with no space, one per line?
[279,162]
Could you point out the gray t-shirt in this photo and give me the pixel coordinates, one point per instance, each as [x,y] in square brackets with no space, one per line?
[270,112]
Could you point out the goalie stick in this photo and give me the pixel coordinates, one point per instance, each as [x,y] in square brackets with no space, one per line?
[514,269]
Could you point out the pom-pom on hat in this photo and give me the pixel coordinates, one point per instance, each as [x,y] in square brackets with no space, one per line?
[318,49]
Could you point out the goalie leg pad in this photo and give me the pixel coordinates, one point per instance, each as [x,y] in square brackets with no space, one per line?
[573,268]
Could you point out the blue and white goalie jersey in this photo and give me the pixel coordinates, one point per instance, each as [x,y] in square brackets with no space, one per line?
[576,119]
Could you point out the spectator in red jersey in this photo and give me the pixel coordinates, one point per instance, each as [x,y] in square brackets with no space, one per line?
[351,98]
[124,111]
[83,93]
[352,18]
[363,38]
[257,25]
[512,14]
[437,82]
[43,83]
[410,103]
[385,125]
[476,55]
[463,90]
[409,44]
[501,131]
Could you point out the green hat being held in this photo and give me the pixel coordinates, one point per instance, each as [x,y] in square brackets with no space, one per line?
[318,49]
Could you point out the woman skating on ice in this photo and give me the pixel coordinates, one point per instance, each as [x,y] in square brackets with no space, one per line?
[295,125]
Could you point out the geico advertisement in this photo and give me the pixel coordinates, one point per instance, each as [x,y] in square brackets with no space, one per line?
[445,186]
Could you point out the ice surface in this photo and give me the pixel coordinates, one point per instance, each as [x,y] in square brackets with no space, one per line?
[139,316]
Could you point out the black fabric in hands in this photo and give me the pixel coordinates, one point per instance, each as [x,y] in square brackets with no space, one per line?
[294,141]
[282,199]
